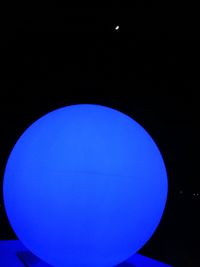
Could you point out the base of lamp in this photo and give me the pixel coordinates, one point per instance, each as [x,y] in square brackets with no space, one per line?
[137,260]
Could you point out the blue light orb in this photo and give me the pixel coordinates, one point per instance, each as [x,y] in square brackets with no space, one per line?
[85,186]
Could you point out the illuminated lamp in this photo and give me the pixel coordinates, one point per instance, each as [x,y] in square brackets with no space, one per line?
[85,185]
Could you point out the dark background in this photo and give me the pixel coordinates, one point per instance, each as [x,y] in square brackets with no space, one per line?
[148,69]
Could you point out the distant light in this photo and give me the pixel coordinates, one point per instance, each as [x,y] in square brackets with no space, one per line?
[117,28]
[181,191]
[194,194]
[197,194]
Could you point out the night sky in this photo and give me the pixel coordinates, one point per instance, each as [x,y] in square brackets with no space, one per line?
[132,60]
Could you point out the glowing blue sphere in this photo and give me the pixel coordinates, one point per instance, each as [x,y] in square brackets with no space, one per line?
[85,185]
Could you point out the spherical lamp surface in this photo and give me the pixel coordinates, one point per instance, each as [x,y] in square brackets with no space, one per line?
[85,186]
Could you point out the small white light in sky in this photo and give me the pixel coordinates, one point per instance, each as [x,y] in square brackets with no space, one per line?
[117,28]
[181,191]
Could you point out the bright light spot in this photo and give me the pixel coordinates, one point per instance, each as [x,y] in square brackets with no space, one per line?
[117,28]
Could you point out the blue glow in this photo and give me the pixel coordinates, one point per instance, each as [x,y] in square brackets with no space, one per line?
[141,261]
[10,249]
[85,185]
